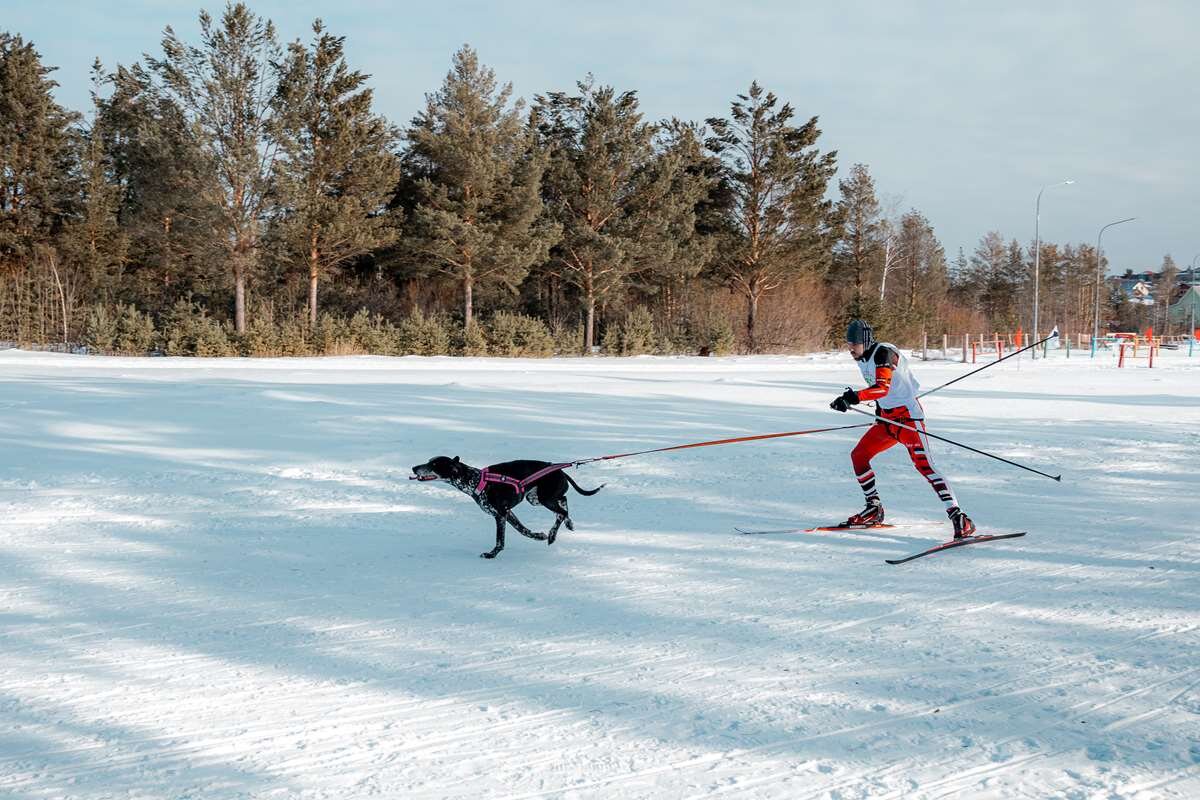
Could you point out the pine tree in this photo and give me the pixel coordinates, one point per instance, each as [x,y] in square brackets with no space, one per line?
[1050,285]
[922,273]
[962,281]
[857,256]
[1085,293]
[1165,290]
[1015,277]
[226,88]
[93,243]
[1077,290]
[624,208]
[684,184]
[337,170]
[993,292]
[782,224]
[473,172]
[171,197]
[38,189]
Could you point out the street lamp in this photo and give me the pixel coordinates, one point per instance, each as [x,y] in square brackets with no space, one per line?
[1099,277]
[1037,252]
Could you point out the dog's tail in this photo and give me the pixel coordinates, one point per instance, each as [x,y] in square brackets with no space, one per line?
[584,492]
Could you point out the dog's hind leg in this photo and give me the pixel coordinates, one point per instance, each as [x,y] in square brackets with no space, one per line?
[520,526]
[560,516]
[562,510]
[499,540]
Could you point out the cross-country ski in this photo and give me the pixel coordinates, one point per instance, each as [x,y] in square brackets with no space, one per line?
[818,529]
[975,538]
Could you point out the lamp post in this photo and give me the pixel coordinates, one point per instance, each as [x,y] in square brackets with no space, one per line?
[1100,276]
[1037,252]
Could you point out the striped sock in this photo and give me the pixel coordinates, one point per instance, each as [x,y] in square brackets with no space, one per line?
[866,482]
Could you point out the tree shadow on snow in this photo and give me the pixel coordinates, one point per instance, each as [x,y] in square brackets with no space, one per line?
[254,551]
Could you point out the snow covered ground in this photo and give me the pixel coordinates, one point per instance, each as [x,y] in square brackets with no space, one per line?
[216,582]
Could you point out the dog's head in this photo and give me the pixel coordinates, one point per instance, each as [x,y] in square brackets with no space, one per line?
[440,468]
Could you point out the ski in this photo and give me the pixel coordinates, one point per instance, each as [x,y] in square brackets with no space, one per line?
[817,530]
[987,537]
[883,526]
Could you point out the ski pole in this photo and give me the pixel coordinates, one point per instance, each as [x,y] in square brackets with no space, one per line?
[985,366]
[960,444]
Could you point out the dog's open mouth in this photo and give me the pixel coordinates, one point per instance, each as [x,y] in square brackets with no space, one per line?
[423,477]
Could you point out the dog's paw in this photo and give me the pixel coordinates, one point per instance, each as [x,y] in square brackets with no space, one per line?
[487,555]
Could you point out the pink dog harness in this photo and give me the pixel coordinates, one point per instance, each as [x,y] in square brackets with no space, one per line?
[486,476]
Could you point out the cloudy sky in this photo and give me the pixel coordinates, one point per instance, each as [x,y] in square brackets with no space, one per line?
[962,110]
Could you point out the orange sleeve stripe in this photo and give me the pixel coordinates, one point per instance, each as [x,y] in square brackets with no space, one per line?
[883,383]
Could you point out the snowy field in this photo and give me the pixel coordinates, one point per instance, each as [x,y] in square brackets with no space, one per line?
[216,581]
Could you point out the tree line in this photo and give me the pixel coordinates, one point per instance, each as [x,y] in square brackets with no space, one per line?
[233,195]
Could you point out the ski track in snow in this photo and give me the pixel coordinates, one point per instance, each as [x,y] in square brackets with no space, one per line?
[216,581]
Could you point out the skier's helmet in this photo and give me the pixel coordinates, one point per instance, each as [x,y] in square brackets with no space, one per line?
[860,332]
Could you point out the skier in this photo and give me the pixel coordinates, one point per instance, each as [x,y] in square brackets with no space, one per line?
[894,390]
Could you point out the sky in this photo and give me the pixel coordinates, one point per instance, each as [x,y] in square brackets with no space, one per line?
[963,111]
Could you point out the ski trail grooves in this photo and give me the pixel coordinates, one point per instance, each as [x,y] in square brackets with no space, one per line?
[222,585]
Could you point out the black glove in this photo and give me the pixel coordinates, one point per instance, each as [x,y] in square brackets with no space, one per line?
[845,400]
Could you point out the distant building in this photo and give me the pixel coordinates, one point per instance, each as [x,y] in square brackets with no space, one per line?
[1138,287]
[1187,308]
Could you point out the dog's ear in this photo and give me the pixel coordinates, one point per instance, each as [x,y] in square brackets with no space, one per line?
[456,461]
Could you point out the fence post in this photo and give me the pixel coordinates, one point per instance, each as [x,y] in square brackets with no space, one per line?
[1121,356]
[924,345]
[945,341]
[966,342]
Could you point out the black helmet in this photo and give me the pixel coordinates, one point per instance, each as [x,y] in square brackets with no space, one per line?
[860,332]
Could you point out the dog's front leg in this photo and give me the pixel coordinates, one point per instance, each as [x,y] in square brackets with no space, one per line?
[499,539]
[520,526]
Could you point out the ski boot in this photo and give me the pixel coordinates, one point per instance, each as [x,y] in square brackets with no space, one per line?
[869,517]
[963,527]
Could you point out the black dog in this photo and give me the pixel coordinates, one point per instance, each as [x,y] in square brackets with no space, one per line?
[499,499]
